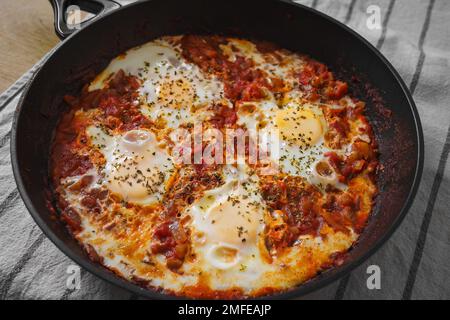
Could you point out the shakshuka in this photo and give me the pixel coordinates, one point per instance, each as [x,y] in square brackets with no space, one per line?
[214,229]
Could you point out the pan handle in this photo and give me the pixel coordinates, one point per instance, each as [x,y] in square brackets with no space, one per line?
[94,8]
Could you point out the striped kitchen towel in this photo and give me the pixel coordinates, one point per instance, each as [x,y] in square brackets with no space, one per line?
[415,263]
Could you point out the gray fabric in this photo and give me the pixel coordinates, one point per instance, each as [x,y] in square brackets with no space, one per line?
[415,37]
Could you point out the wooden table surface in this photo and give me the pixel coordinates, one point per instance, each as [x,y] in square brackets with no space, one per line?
[26,34]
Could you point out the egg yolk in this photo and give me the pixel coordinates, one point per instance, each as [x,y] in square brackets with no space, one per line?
[299,126]
[176,93]
[234,221]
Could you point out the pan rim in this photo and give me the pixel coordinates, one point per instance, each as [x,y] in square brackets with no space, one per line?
[294,292]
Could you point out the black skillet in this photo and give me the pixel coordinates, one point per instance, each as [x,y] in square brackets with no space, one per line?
[372,78]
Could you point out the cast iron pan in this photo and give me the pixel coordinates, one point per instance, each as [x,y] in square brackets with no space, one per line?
[372,78]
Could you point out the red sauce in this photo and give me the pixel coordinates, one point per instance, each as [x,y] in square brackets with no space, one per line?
[319,82]
[361,157]
[66,161]
[70,163]
[72,219]
[298,203]
[223,116]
